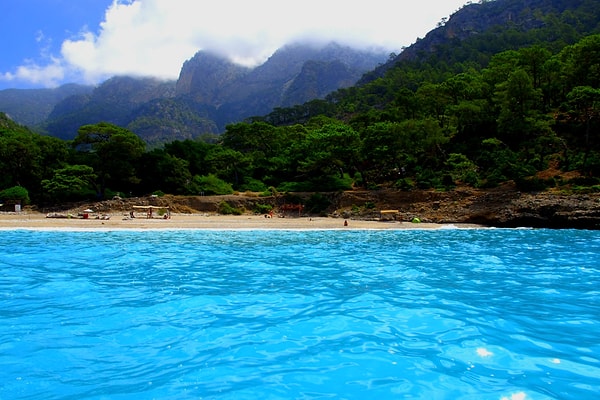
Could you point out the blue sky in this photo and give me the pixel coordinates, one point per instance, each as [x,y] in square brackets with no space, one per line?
[46,43]
[32,32]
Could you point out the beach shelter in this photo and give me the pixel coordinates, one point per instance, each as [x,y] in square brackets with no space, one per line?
[152,211]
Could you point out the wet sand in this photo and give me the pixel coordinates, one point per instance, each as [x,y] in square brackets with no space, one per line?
[32,220]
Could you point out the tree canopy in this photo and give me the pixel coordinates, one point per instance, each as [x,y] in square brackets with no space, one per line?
[421,125]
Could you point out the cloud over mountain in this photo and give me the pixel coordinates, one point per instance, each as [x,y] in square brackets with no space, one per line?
[155,37]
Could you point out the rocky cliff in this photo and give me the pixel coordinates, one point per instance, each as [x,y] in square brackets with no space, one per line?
[293,75]
[212,92]
[500,207]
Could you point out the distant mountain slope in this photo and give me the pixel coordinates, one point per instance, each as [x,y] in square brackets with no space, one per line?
[477,31]
[204,77]
[31,107]
[467,40]
[114,101]
[317,79]
[210,93]
[283,80]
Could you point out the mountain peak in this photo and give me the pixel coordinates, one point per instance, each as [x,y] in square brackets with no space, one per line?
[203,75]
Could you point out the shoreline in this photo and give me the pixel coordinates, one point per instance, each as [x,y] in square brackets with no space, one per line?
[39,221]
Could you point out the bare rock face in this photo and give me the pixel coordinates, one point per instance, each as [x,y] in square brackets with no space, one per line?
[204,76]
[504,207]
[293,75]
[548,211]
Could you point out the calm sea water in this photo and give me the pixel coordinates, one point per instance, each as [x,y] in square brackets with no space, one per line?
[411,314]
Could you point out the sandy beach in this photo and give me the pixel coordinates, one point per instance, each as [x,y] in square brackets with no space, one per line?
[34,220]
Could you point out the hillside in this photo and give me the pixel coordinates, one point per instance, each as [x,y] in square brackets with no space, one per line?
[31,107]
[113,101]
[210,93]
[479,30]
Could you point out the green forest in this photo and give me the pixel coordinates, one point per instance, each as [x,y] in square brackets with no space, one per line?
[457,117]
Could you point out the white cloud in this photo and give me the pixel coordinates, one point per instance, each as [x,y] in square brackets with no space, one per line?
[49,75]
[155,37]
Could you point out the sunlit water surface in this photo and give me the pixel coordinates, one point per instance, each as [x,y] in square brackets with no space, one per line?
[413,314]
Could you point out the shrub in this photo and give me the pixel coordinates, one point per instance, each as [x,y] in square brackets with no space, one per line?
[317,203]
[15,194]
[428,180]
[324,183]
[448,181]
[405,184]
[211,184]
[583,181]
[493,179]
[586,189]
[369,205]
[471,178]
[295,187]
[271,191]
[358,179]
[226,209]
[262,208]
[461,169]
[253,185]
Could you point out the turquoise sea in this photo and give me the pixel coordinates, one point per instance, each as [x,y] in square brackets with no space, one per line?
[342,314]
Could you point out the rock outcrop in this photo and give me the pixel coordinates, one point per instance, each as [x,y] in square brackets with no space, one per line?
[501,207]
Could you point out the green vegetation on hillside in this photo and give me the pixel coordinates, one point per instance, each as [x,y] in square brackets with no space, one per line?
[437,123]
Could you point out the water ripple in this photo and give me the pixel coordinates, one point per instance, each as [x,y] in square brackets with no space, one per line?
[452,314]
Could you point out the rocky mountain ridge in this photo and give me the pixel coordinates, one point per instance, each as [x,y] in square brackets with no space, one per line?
[30,107]
[210,93]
